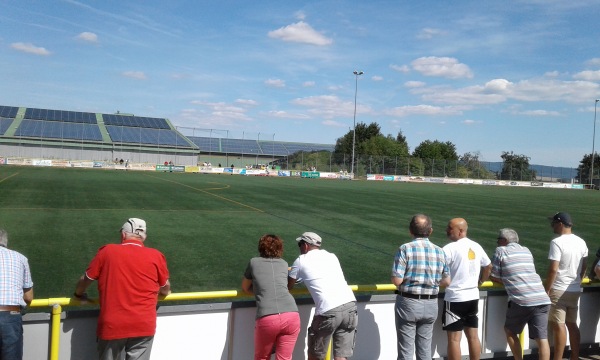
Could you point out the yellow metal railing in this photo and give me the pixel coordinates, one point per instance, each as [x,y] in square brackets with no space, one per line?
[58,303]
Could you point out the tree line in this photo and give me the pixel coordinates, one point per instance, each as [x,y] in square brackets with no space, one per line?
[373,149]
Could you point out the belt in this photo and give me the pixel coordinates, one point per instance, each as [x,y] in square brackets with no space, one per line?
[416,296]
[10,308]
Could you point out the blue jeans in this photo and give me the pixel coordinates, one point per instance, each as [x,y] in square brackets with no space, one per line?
[11,335]
[414,327]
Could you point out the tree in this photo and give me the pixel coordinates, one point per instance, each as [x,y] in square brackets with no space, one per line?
[516,167]
[438,158]
[584,168]
[343,145]
[470,167]
[436,150]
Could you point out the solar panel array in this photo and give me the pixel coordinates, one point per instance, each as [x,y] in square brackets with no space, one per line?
[135,121]
[243,146]
[4,125]
[59,130]
[8,111]
[140,135]
[60,115]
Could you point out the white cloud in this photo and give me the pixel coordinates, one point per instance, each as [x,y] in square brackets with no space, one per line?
[470,122]
[300,32]
[88,37]
[441,66]
[138,75]
[593,62]
[220,111]
[588,75]
[377,78]
[428,33]
[246,102]
[300,15]
[552,74]
[408,110]
[30,48]
[275,83]
[333,123]
[286,115]
[414,84]
[400,68]
[540,113]
[308,83]
[330,106]
[500,90]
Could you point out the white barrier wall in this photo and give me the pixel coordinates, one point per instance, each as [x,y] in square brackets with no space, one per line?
[224,331]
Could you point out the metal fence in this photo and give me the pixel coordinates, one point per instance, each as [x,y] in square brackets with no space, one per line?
[388,165]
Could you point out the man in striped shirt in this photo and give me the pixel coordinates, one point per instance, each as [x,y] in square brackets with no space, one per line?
[512,266]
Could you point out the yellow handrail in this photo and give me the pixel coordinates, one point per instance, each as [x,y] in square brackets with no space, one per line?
[58,303]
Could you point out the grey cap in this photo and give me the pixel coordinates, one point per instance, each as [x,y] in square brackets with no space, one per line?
[134,226]
[310,238]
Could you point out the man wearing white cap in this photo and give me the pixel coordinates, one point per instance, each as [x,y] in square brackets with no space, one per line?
[335,304]
[130,278]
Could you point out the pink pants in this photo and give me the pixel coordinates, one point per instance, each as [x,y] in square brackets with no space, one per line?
[279,330]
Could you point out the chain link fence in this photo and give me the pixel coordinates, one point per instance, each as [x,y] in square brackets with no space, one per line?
[412,166]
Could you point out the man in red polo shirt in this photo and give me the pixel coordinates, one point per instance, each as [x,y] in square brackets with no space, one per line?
[130,277]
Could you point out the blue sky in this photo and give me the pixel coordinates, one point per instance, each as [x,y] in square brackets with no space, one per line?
[488,76]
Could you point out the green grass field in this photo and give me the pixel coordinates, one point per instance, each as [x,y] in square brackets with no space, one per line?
[208,226]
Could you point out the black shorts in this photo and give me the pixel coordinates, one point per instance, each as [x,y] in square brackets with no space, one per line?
[458,315]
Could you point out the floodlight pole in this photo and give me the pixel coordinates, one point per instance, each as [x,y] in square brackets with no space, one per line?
[593,146]
[356,75]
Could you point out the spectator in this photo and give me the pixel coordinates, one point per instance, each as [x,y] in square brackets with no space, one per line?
[335,305]
[568,255]
[16,292]
[419,270]
[595,268]
[469,266]
[130,278]
[277,318]
[513,266]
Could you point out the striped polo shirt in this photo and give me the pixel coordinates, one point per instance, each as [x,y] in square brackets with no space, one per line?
[513,264]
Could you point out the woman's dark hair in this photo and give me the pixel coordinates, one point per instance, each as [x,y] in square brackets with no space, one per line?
[270,246]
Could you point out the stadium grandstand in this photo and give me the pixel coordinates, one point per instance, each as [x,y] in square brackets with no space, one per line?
[86,136]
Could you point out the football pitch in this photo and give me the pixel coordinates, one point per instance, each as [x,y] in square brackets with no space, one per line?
[208,226]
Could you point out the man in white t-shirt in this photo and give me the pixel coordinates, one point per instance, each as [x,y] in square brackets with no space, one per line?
[335,304]
[469,266]
[568,256]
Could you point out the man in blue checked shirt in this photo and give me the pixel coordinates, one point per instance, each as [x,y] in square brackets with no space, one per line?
[16,292]
[419,270]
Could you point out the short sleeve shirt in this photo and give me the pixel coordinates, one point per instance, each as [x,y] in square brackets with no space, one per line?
[129,277]
[465,259]
[422,265]
[15,276]
[569,250]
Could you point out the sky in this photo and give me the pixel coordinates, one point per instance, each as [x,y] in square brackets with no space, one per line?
[488,76]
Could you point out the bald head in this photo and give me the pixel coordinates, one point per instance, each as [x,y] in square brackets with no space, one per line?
[457,229]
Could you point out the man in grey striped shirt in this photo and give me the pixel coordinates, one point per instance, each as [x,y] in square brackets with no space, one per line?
[513,266]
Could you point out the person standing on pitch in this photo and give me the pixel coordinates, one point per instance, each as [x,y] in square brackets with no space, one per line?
[16,292]
[568,256]
[418,272]
[469,266]
[513,266]
[130,279]
[336,314]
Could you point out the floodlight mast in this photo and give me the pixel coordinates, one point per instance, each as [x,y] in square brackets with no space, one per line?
[356,73]
[593,146]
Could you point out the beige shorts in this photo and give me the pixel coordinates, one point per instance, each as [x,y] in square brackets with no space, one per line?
[564,306]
